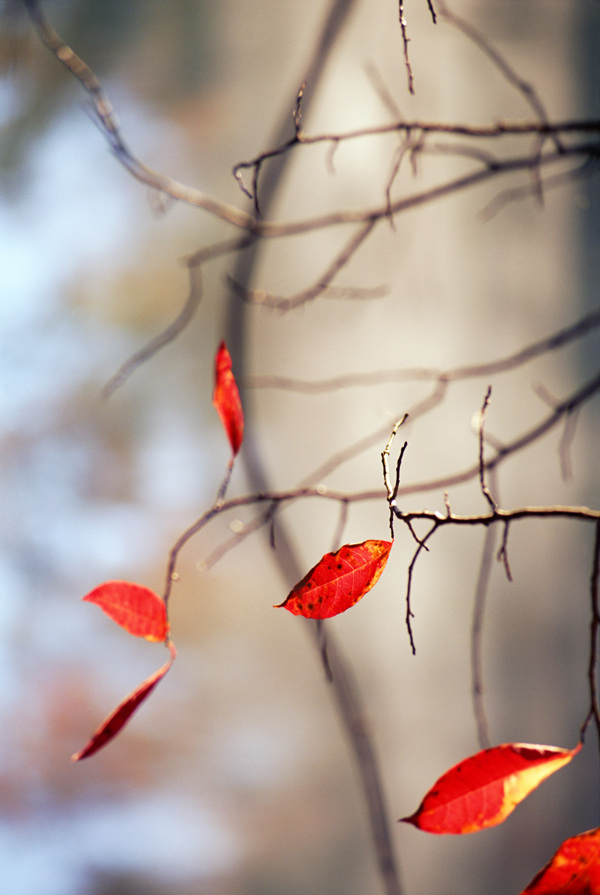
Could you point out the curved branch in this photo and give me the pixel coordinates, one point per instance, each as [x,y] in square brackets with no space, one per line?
[556,340]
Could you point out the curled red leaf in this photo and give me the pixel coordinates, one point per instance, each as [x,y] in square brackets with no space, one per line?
[137,609]
[574,868]
[485,788]
[117,719]
[226,399]
[339,580]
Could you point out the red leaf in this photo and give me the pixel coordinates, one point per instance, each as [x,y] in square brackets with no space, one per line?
[226,399]
[115,722]
[137,609]
[484,789]
[573,870]
[339,580]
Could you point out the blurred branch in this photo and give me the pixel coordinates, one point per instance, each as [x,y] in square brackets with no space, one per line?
[167,335]
[300,298]
[556,340]
[109,125]
[507,71]
[254,227]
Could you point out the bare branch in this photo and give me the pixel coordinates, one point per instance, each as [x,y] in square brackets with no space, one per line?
[392,492]
[587,168]
[557,340]
[368,441]
[594,660]
[583,394]
[422,545]
[405,41]
[164,338]
[484,488]
[260,297]
[110,128]
[559,129]
[524,87]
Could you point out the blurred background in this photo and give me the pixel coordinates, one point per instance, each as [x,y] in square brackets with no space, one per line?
[235,778]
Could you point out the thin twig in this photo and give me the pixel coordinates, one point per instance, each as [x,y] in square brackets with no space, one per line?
[392,491]
[405,42]
[422,545]
[502,555]
[385,454]
[482,482]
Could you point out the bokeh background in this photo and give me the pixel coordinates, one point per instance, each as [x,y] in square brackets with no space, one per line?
[235,778]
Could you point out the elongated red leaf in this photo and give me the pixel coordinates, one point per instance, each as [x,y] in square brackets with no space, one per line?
[137,609]
[484,789]
[339,580]
[226,399]
[115,722]
[573,870]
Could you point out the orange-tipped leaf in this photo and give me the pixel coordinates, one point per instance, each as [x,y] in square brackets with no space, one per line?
[339,580]
[137,609]
[226,399]
[573,870]
[485,788]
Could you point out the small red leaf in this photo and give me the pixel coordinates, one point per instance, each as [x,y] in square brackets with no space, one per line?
[226,399]
[115,722]
[137,609]
[573,870]
[485,788]
[339,580]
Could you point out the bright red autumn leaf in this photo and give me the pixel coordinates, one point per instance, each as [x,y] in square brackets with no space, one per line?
[573,870]
[484,789]
[339,580]
[136,608]
[117,719]
[226,399]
